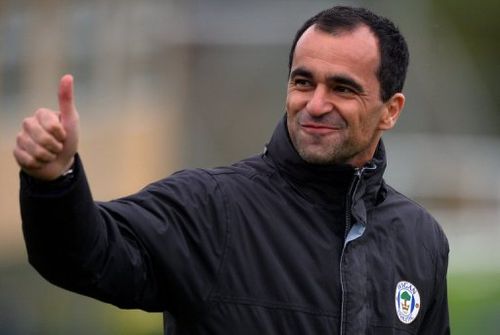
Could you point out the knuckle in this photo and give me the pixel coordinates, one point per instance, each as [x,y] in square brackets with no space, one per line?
[24,160]
[20,140]
[41,112]
[43,140]
[27,122]
[31,163]
[39,153]
[42,154]
[51,126]
[17,154]
[49,144]
[19,136]
[51,123]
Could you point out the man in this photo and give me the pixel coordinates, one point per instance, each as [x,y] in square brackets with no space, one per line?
[305,238]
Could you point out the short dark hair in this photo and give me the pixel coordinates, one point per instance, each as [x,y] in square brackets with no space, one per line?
[394,54]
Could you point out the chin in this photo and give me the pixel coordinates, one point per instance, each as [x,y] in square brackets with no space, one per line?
[316,158]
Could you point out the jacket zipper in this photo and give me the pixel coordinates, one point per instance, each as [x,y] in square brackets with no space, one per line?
[349,200]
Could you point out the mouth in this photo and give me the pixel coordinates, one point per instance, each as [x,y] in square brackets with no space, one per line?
[314,128]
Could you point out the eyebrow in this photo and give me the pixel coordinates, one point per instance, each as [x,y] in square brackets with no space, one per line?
[346,80]
[334,79]
[301,72]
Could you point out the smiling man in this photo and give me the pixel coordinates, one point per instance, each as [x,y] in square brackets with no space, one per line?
[306,238]
[335,109]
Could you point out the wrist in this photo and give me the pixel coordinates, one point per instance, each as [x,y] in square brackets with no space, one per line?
[69,171]
[55,184]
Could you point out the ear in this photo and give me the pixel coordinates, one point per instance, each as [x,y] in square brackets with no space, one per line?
[392,110]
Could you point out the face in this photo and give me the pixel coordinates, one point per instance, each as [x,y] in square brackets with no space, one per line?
[334,110]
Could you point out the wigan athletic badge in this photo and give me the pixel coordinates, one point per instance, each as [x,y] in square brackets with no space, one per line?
[407,301]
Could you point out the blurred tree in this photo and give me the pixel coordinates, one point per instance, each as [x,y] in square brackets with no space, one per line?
[477,26]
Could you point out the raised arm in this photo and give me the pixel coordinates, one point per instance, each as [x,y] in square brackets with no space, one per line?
[157,249]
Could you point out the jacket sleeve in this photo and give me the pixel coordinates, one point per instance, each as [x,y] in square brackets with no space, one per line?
[155,250]
[436,320]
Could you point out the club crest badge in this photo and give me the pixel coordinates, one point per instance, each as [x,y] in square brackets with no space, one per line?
[407,301]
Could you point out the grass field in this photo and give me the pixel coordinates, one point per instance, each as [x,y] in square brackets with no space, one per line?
[474,303]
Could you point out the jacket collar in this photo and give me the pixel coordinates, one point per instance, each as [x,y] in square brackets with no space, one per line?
[324,184]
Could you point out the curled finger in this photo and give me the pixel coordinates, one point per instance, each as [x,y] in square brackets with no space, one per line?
[33,128]
[38,152]
[51,123]
[25,160]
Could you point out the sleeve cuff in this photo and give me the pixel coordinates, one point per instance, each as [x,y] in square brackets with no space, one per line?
[55,187]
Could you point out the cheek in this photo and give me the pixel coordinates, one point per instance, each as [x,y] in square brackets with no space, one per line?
[368,125]
[351,110]
[295,102]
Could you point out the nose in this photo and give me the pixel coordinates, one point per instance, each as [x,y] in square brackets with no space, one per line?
[319,103]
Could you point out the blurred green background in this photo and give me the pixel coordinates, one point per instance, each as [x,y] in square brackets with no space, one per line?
[164,85]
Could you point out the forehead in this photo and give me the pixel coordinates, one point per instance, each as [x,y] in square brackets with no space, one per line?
[355,51]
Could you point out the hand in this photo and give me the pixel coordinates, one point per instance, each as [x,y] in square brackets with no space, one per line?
[48,141]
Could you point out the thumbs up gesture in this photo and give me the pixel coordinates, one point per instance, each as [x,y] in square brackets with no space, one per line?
[48,140]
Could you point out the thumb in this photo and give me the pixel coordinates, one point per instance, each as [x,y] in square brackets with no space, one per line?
[66,98]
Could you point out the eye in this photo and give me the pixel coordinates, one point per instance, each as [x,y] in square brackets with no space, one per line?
[301,83]
[344,89]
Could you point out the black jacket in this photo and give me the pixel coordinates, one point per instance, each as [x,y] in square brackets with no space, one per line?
[269,245]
